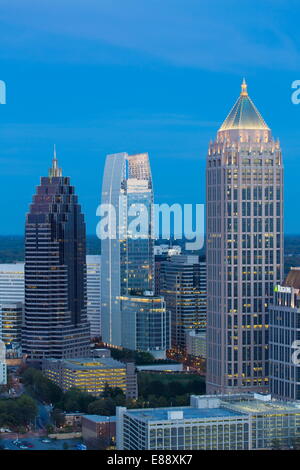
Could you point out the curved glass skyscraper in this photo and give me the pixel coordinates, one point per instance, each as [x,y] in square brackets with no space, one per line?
[55,272]
[127,260]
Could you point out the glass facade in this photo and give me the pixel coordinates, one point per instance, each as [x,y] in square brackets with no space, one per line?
[131,316]
[146,324]
[93,264]
[55,272]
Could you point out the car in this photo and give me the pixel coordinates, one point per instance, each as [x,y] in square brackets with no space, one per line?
[46,441]
[23,447]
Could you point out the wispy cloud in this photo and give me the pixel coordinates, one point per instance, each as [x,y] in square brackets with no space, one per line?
[206,34]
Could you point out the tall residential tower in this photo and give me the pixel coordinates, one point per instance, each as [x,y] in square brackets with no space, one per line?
[244,194]
[55,272]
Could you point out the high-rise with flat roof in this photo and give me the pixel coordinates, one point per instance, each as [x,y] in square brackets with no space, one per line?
[93,269]
[284,338]
[55,272]
[183,285]
[11,282]
[145,324]
[244,223]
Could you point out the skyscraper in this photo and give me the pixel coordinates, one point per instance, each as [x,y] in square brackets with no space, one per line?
[93,263]
[183,285]
[127,261]
[244,194]
[55,272]
[285,338]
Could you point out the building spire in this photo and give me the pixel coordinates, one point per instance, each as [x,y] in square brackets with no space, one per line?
[244,91]
[54,170]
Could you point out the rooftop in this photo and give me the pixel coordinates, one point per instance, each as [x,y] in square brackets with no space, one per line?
[90,363]
[244,114]
[259,406]
[161,414]
[99,418]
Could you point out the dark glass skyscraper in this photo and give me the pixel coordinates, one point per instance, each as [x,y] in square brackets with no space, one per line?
[55,272]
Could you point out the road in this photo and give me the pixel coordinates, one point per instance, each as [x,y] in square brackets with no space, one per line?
[54,444]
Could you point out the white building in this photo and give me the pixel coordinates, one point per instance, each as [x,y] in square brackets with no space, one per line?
[11,301]
[93,265]
[11,282]
[211,422]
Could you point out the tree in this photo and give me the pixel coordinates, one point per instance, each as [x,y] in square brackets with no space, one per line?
[58,417]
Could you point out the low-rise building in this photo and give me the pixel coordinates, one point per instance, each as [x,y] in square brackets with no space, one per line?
[98,432]
[88,374]
[211,422]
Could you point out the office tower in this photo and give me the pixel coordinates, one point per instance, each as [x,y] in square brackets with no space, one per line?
[183,285]
[3,366]
[228,422]
[55,272]
[163,253]
[145,324]
[11,319]
[93,263]
[244,248]
[127,261]
[284,338]
[11,282]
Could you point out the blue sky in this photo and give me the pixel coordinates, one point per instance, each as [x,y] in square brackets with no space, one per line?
[104,76]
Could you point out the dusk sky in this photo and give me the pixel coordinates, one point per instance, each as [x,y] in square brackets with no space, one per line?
[158,76]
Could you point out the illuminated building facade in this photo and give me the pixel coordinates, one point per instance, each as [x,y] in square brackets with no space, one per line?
[86,374]
[183,285]
[55,272]
[284,340]
[244,222]
[93,271]
[11,319]
[127,260]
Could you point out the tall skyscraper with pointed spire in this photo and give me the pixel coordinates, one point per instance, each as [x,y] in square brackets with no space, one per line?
[55,272]
[244,194]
